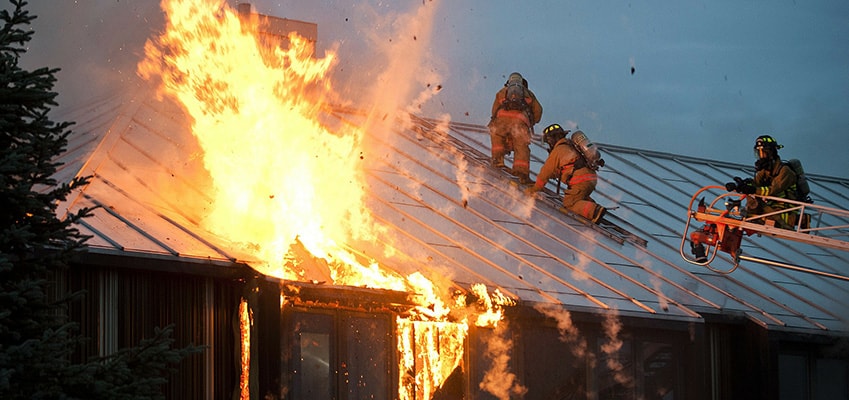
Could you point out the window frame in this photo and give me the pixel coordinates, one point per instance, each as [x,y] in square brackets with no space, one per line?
[336,324]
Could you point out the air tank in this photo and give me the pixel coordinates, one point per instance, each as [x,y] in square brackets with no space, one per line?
[587,149]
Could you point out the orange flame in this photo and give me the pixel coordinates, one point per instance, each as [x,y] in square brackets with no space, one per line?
[280,178]
[246,321]
[286,189]
[430,352]
[491,306]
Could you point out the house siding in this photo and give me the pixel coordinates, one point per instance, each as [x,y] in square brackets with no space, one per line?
[122,306]
[719,358]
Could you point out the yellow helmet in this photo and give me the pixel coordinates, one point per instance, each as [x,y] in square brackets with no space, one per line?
[766,147]
[552,134]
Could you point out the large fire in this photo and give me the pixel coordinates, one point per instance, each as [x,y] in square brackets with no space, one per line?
[286,188]
[279,176]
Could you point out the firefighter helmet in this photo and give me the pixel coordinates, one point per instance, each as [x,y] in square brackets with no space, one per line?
[552,134]
[766,148]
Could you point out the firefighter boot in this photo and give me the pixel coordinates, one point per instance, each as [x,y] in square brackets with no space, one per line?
[599,214]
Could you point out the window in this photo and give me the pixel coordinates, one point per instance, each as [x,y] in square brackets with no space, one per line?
[801,375]
[645,366]
[831,379]
[335,354]
[615,372]
[366,365]
[552,370]
[658,368]
[639,369]
[311,366]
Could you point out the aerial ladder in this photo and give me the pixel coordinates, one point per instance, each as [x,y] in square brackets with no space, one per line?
[726,221]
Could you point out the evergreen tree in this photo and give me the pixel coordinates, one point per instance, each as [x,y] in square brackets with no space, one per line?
[36,339]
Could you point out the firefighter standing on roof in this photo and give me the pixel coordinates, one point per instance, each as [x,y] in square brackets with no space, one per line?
[575,167]
[514,113]
[772,178]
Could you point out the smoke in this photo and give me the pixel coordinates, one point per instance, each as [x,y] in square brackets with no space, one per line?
[468,187]
[661,298]
[498,380]
[656,282]
[612,347]
[569,333]
[95,43]
[399,77]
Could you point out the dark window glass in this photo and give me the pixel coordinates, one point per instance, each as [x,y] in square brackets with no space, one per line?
[339,355]
[615,371]
[366,371]
[832,380]
[793,377]
[487,347]
[552,370]
[659,371]
[312,363]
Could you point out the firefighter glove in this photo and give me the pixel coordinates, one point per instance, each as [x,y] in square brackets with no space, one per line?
[744,186]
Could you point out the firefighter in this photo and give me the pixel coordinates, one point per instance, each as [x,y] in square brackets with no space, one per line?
[514,113]
[574,161]
[772,178]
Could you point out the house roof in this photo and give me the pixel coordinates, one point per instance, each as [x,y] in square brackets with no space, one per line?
[458,217]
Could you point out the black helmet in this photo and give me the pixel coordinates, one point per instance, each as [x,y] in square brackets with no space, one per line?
[553,133]
[766,148]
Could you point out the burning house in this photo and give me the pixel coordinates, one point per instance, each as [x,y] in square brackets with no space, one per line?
[320,251]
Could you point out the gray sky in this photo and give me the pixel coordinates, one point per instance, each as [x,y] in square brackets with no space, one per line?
[709,77]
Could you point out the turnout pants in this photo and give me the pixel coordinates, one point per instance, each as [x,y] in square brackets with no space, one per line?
[511,134]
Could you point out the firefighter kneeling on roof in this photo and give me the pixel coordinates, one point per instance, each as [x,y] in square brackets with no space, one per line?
[574,161]
[774,178]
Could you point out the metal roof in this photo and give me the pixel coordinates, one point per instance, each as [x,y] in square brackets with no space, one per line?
[461,219]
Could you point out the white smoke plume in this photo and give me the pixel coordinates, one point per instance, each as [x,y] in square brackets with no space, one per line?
[613,344]
[468,187]
[569,333]
[656,282]
[498,380]
[404,79]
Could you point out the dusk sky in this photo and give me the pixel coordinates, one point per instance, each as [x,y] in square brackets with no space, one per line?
[708,77]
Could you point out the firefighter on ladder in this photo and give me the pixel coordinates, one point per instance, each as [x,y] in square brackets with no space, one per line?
[574,161]
[514,113]
[772,178]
